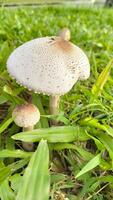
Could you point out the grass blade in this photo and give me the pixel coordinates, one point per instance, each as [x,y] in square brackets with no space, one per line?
[92,122]
[35,182]
[60,146]
[5,124]
[53,134]
[6,171]
[108,143]
[37,101]
[90,165]
[14,154]
[102,79]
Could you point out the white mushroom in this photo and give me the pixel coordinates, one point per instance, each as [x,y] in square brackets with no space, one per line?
[26,116]
[49,65]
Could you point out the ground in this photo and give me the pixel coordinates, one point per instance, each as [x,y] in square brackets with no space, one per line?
[89,105]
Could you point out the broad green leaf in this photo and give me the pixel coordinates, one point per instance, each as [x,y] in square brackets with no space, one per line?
[53,134]
[35,183]
[6,193]
[102,79]
[90,165]
[14,153]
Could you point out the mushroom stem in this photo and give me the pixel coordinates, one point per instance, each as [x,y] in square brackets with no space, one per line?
[54,106]
[29,128]
[28,146]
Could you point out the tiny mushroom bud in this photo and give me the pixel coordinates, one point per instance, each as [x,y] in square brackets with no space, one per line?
[49,65]
[65,34]
[26,116]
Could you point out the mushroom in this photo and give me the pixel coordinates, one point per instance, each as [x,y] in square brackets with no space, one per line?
[49,65]
[26,116]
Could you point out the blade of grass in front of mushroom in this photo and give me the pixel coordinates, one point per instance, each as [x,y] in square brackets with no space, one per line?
[36,179]
[53,134]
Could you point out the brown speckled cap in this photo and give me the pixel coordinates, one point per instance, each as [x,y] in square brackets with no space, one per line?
[49,65]
[26,115]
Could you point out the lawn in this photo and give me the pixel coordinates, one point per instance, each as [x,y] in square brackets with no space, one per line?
[81,169]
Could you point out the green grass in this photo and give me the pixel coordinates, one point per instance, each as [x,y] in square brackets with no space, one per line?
[81,166]
[29,1]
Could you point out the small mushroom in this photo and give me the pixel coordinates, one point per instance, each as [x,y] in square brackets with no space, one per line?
[49,65]
[26,116]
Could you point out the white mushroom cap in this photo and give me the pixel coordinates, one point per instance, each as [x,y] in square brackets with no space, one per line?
[26,115]
[49,65]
